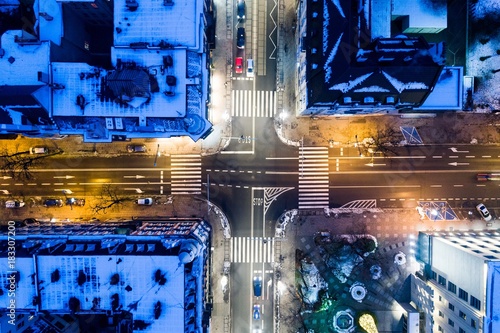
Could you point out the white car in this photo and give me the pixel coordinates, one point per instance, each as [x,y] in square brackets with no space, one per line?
[485,214]
[14,204]
[144,201]
[250,68]
[39,150]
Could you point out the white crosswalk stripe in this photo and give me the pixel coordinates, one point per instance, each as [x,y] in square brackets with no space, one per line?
[249,103]
[185,174]
[313,178]
[252,249]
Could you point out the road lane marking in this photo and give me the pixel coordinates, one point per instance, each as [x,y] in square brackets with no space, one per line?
[436,185]
[480,185]
[437,156]
[458,186]
[453,156]
[470,156]
[486,156]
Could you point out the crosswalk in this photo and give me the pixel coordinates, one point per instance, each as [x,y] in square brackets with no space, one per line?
[185,174]
[250,103]
[313,178]
[252,249]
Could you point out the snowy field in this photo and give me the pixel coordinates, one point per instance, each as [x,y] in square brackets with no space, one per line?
[483,60]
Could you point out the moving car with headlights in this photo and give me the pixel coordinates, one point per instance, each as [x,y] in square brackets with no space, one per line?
[488,176]
[256,311]
[240,10]
[485,214]
[136,148]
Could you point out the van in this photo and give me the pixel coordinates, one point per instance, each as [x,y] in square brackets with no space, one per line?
[39,150]
[250,67]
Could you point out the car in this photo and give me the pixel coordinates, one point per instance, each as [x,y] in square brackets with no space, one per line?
[240,38]
[256,311]
[257,286]
[53,203]
[75,202]
[240,10]
[485,214]
[39,150]
[488,176]
[238,63]
[144,201]
[14,204]
[250,68]
[136,148]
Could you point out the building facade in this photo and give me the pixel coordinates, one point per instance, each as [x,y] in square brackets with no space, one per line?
[457,289]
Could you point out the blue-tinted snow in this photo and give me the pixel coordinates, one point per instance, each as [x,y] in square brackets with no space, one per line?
[24,291]
[178,25]
[134,271]
[28,61]
[51,24]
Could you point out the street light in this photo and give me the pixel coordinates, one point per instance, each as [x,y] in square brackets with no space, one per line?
[435,214]
[157,154]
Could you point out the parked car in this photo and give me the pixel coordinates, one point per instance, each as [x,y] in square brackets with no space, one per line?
[485,214]
[240,10]
[144,201]
[257,286]
[238,63]
[14,204]
[256,311]
[240,38]
[250,67]
[75,202]
[39,150]
[136,148]
[53,203]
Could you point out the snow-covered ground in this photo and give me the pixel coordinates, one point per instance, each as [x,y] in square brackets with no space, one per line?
[483,59]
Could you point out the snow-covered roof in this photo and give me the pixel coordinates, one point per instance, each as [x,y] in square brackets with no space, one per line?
[21,63]
[422,14]
[447,93]
[154,21]
[137,290]
[50,22]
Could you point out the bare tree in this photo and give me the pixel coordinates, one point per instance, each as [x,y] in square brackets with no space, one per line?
[19,165]
[383,139]
[109,198]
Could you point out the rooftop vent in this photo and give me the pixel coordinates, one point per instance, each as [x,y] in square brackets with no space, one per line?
[168,61]
[367,100]
[389,100]
[168,2]
[171,81]
[132,5]
[347,100]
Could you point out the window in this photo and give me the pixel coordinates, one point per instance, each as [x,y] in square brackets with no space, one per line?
[461,330]
[473,323]
[451,307]
[59,325]
[462,315]
[441,314]
[442,280]
[433,275]
[451,323]
[440,298]
[462,294]
[475,303]
[440,329]
[490,257]
[452,287]
[21,324]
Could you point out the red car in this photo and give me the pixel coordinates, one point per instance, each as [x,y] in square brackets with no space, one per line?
[238,65]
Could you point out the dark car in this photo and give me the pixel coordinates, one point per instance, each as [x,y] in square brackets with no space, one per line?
[136,148]
[257,286]
[240,38]
[75,202]
[240,10]
[53,203]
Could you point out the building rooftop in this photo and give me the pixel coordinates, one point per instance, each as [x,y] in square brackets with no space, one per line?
[155,270]
[176,22]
